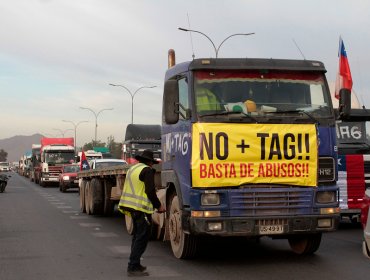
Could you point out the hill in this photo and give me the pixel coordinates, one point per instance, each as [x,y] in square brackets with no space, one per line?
[16,146]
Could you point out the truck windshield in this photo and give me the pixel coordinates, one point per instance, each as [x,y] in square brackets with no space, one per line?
[59,157]
[259,93]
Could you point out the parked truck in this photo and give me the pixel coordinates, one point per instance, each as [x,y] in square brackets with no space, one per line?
[35,160]
[353,163]
[139,137]
[54,152]
[248,149]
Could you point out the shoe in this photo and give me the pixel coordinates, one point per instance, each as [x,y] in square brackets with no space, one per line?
[141,267]
[136,273]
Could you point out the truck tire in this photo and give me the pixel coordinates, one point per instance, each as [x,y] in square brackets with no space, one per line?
[184,246]
[108,203]
[305,244]
[97,197]
[42,183]
[82,196]
[87,197]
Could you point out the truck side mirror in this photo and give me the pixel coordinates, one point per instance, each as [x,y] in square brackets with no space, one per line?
[78,158]
[344,103]
[171,102]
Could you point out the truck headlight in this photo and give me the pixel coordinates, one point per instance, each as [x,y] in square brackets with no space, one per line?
[326,197]
[210,199]
[66,178]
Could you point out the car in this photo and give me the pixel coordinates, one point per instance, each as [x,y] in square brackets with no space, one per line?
[68,177]
[4,166]
[365,220]
[106,162]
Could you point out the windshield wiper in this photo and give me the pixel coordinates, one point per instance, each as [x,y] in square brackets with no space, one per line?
[224,113]
[295,112]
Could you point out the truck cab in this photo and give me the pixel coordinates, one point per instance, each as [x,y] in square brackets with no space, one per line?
[353,162]
[140,137]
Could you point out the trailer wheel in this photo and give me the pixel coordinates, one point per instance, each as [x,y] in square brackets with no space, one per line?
[305,244]
[97,197]
[183,245]
[82,196]
[108,204]
[87,197]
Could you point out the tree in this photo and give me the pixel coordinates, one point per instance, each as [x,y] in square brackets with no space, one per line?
[114,147]
[3,155]
[92,144]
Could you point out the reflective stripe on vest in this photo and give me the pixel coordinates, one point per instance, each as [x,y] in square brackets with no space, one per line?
[133,193]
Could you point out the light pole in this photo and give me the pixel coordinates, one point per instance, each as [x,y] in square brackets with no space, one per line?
[96,117]
[214,46]
[62,132]
[132,97]
[75,126]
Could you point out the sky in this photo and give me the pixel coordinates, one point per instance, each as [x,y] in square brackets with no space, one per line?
[57,56]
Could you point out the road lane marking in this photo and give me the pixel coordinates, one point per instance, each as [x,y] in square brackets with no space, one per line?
[104,234]
[90,224]
[78,217]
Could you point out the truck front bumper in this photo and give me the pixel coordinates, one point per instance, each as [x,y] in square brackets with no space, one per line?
[263,226]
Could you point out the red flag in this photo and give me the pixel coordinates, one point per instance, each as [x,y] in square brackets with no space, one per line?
[344,77]
[84,165]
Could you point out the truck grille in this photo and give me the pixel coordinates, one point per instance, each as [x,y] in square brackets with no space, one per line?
[271,201]
[54,171]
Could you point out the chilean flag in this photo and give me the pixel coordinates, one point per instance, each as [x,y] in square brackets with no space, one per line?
[351,180]
[84,165]
[344,77]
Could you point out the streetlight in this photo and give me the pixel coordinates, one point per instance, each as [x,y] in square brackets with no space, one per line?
[75,126]
[62,132]
[214,46]
[96,117]
[132,97]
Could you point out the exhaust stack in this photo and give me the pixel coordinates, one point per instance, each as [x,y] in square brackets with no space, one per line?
[171,58]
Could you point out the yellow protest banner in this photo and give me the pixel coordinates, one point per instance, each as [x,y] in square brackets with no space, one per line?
[225,155]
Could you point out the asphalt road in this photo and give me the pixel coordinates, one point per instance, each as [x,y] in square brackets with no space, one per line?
[43,235]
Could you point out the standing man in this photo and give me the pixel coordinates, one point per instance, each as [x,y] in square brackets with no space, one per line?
[138,200]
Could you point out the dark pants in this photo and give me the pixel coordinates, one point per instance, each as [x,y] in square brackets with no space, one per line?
[140,237]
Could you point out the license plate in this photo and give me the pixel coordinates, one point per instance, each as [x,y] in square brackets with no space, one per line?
[75,181]
[271,229]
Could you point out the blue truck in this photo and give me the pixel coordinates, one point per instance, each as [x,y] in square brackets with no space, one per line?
[248,149]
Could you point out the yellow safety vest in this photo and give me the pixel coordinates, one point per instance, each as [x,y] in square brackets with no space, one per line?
[206,100]
[133,193]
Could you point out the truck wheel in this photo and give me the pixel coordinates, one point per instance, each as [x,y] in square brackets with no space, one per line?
[305,244]
[82,196]
[97,197]
[183,245]
[42,184]
[87,197]
[108,204]
[129,225]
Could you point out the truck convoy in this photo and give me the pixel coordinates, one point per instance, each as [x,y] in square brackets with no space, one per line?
[140,137]
[248,149]
[54,152]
